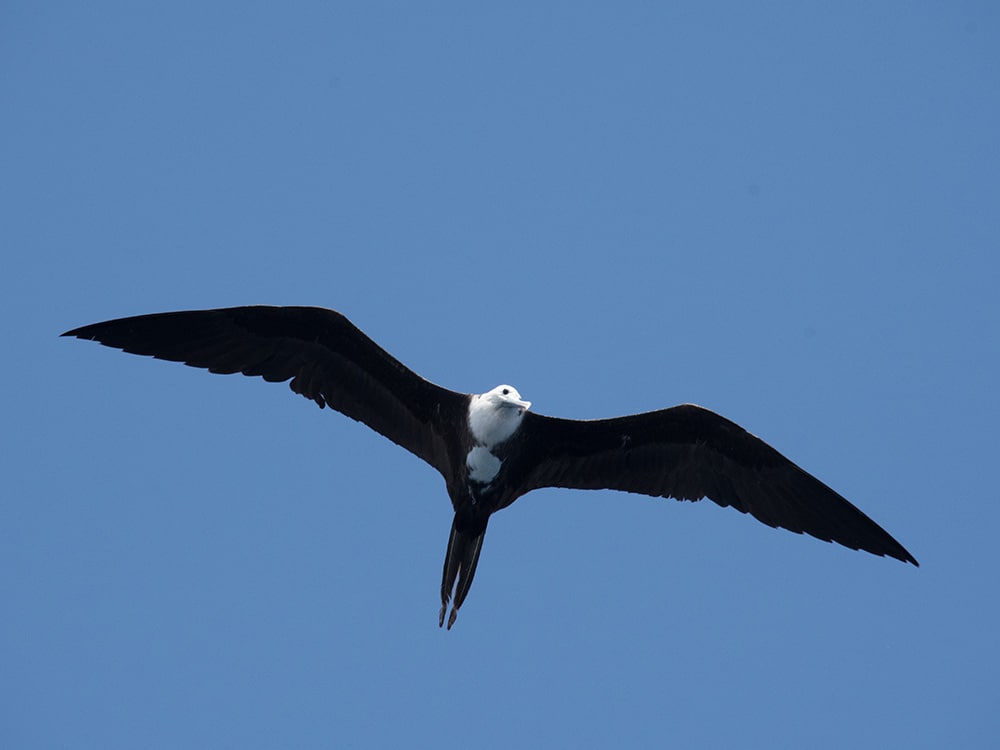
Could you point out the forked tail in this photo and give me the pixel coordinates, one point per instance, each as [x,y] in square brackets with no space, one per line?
[464,544]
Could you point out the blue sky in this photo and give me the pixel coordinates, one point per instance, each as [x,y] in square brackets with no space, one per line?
[787,213]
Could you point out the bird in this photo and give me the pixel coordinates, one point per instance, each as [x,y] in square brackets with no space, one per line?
[490,447]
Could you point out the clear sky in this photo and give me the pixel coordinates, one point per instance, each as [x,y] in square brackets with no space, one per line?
[786,212]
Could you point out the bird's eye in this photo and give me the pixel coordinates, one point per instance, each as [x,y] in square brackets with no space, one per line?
[506,391]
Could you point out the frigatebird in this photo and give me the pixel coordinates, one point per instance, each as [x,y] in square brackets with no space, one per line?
[489,447]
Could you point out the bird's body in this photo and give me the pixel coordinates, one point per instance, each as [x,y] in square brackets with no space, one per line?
[489,447]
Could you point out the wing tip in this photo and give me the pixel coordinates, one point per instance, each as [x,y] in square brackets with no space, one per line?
[908,558]
[896,551]
[892,548]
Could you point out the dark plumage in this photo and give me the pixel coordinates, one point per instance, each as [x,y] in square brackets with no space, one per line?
[489,448]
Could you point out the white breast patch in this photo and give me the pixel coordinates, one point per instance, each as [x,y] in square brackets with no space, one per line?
[482,465]
[491,422]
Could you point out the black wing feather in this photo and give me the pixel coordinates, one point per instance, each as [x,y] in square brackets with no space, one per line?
[326,357]
[688,453]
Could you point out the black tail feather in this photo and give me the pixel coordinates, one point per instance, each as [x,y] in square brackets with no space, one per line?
[460,562]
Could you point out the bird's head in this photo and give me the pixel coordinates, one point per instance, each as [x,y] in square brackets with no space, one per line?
[506,397]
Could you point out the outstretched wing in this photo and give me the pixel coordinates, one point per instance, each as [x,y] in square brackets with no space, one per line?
[327,358]
[688,453]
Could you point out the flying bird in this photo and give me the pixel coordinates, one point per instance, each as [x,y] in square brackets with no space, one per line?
[489,447]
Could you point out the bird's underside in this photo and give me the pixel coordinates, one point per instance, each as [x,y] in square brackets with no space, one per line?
[489,447]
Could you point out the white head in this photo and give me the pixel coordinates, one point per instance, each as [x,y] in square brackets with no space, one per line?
[496,414]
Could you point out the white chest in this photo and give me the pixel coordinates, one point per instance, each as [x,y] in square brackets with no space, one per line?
[491,424]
